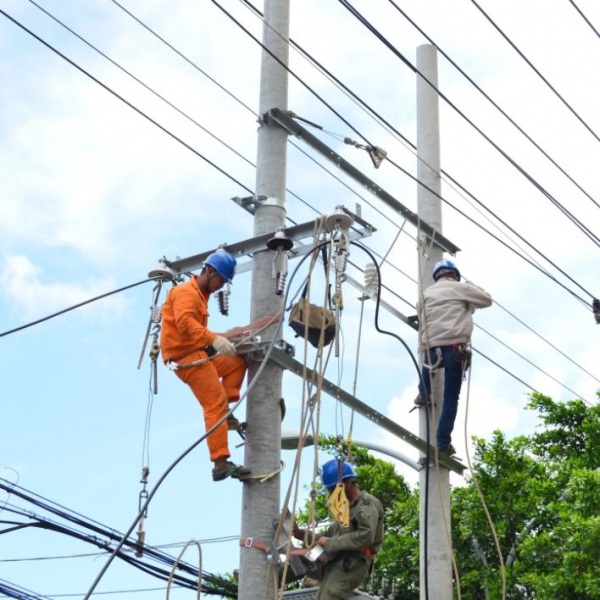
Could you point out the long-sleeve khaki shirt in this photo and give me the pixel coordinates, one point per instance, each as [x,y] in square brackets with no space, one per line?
[445,313]
[365,531]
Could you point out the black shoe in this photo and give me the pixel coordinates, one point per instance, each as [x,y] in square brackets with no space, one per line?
[449,450]
[229,469]
[419,402]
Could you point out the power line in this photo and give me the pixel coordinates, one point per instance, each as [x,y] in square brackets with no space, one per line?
[380,120]
[339,83]
[360,18]
[190,62]
[536,71]
[65,310]
[144,85]
[494,104]
[127,103]
[211,583]
[583,228]
[584,18]
[132,106]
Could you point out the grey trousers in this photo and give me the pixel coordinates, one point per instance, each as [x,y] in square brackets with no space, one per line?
[342,576]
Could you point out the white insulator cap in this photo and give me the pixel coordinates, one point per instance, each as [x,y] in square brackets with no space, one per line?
[371,279]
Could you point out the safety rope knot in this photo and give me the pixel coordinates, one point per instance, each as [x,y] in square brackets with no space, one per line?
[263,478]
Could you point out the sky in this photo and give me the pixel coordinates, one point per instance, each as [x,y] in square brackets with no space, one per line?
[94,195]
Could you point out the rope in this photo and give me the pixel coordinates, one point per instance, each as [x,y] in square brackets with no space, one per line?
[423,323]
[482,497]
[307,411]
[263,478]
[174,366]
[176,563]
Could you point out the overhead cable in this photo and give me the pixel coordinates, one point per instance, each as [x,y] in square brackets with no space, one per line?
[584,18]
[344,2]
[368,25]
[380,120]
[466,191]
[132,106]
[144,85]
[536,71]
[80,304]
[493,103]
[190,62]
[5,333]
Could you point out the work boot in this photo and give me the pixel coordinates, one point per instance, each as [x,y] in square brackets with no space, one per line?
[229,469]
[232,423]
[449,450]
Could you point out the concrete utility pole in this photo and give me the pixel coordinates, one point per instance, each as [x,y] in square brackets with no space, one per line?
[263,436]
[439,557]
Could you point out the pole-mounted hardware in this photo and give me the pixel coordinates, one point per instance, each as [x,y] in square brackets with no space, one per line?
[278,116]
[281,244]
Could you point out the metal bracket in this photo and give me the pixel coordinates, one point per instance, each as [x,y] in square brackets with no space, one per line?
[255,349]
[365,410]
[259,243]
[249,203]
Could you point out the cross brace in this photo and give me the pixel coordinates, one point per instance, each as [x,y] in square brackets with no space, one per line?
[279,117]
[296,367]
[248,247]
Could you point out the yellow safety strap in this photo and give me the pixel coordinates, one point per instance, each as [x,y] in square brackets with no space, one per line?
[339,506]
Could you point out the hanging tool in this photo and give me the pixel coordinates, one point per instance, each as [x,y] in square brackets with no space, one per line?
[141,534]
[281,244]
[376,153]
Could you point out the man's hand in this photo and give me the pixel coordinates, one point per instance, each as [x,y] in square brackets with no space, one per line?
[223,346]
[322,541]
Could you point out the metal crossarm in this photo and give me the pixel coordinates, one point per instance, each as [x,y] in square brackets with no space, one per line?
[286,122]
[296,367]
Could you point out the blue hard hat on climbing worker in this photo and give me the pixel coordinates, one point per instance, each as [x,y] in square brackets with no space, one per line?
[330,474]
[223,263]
[445,265]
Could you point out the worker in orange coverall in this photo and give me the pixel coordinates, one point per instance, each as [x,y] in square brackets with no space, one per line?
[185,338]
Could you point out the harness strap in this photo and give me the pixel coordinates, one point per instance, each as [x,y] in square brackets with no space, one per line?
[252,543]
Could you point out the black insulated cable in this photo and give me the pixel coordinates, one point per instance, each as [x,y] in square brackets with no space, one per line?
[493,103]
[80,304]
[132,106]
[362,20]
[368,25]
[536,70]
[585,18]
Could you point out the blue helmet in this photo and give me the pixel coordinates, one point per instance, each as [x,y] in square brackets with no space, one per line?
[445,264]
[330,475]
[223,263]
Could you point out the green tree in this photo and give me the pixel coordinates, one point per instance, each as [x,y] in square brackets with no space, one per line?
[543,495]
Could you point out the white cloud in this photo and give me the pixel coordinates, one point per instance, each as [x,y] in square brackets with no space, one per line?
[31,297]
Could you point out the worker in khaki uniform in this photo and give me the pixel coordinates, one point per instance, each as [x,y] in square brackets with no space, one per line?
[185,338]
[350,550]
[445,328]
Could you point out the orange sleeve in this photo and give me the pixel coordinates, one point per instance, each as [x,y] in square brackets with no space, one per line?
[190,311]
[184,322]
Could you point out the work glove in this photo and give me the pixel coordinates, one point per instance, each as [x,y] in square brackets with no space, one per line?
[223,346]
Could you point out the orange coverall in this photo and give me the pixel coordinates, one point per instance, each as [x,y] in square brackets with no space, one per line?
[183,335]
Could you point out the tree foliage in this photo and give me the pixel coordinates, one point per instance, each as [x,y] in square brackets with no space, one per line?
[543,495]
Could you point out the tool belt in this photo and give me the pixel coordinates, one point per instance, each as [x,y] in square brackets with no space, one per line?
[368,553]
[463,354]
